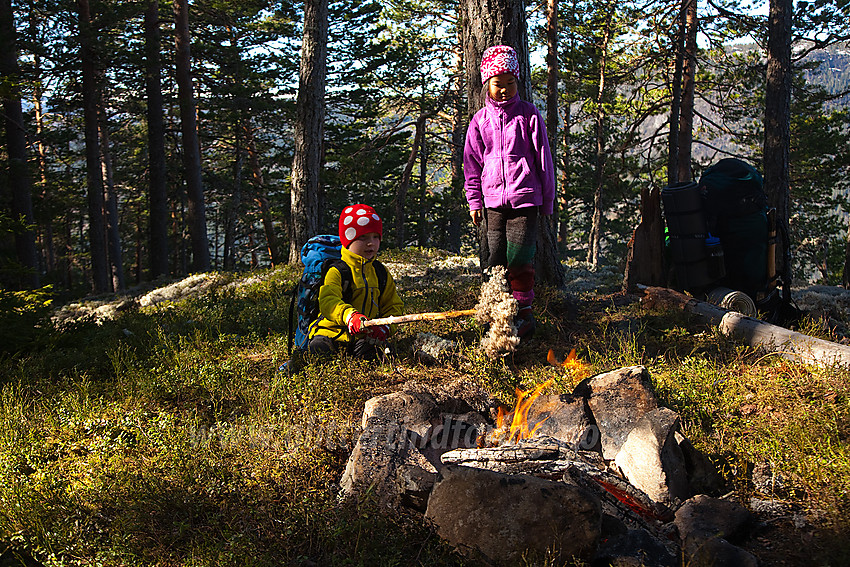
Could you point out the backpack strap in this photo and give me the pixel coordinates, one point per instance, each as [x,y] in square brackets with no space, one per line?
[381,272]
[344,273]
[291,326]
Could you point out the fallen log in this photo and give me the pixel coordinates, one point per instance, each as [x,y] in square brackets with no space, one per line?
[754,332]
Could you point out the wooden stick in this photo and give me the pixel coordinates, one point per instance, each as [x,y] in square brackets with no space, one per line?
[417,317]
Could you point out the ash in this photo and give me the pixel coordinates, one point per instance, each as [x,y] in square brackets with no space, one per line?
[497,307]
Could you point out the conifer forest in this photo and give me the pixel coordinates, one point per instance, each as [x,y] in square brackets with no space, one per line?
[147,138]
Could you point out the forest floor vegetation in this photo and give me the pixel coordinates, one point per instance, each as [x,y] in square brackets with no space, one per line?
[154,428]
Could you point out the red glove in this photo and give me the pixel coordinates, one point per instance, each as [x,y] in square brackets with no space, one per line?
[355,323]
[380,333]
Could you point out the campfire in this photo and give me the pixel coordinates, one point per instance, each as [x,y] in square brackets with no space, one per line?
[554,464]
[518,428]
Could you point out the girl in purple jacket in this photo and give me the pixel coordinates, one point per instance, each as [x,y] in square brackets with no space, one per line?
[510,176]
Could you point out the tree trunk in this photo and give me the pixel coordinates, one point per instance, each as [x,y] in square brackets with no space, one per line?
[458,211]
[422,222]
[595,241]
[676,99]
[404,182]
[94,175]
[309,130]
[157,180]
[110,198]
[546,262]
[645,259]
[777,121]
[191,145]
[20,179]
[260,196]
[552,105]
[49,244]
[787,344]
[232,209]
[845,276]
[686,116]
[487,23]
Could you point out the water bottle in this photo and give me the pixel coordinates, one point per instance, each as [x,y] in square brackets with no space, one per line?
[714,255]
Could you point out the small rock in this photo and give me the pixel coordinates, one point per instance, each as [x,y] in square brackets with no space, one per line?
[709,517]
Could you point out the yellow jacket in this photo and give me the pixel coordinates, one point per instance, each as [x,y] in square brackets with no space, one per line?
[366,298]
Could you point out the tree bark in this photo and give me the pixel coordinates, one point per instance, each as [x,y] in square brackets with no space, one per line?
[191,145]
[645,259]
[20,179]
[686,115]
[309,129]
[845,276]
[404,182]
[777,121]
[459,212]
[487,23]
[157,184]
[547,264]
[41,191]
[552,103]
[676,100]
[422,220]
[232,210]
[94,174]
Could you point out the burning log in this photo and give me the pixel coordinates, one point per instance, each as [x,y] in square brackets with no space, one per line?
[772,338]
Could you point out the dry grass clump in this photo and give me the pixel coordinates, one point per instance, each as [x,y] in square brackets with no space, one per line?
[497,307]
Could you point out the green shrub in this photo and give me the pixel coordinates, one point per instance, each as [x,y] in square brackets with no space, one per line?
[22,314]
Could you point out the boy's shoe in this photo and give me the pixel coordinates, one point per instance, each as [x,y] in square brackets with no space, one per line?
[525,323]
[293,365]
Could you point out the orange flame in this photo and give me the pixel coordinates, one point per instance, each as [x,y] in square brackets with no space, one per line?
[575,368]
[572,361]
[519,428]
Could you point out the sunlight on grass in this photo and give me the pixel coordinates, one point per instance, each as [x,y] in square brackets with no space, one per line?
[793,417]
[168,436]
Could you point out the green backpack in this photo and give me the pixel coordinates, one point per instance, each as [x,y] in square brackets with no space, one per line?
[735,207]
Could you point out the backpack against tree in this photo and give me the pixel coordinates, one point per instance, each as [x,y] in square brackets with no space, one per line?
[318,255]
[735,206]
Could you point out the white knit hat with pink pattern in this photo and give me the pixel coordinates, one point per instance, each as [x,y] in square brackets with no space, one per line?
[497,60]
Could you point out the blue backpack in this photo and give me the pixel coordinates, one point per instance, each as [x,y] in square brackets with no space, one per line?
[318,254]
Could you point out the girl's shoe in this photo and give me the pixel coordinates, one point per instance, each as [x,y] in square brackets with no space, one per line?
[525,323]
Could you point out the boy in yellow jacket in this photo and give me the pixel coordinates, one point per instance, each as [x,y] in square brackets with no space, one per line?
[340,323]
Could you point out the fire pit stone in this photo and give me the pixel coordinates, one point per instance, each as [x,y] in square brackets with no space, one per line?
[652,460]
[505,516]
[617,400]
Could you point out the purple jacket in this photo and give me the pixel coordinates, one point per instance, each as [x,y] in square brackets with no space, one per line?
[506,159]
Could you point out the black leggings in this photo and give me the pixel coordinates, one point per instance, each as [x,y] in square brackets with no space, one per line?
[361,348]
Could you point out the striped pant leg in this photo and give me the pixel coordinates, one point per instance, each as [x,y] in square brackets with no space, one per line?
[512,237]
